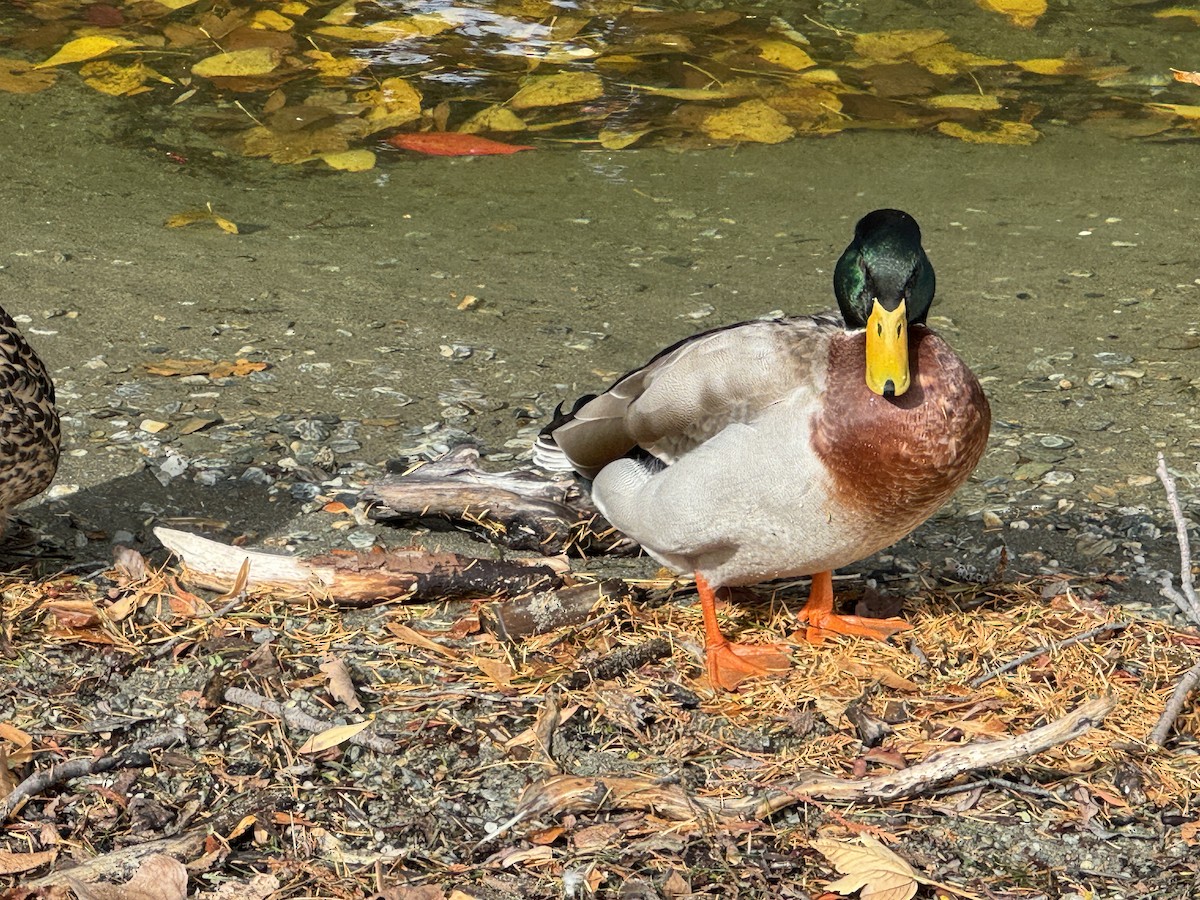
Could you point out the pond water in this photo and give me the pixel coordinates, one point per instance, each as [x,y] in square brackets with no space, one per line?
[429,298]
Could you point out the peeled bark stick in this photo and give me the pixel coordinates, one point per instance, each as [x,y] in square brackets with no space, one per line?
[1188,602]
[354,579]
[1175,705]
[521,509]
[574,794]
[542,611]
[297,718]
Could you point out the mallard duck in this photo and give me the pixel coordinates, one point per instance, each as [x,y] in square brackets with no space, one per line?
[29,432]
[793,446]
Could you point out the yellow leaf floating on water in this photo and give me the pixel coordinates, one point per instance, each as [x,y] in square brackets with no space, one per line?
[116,80]
[964,101]
[20,77]
[557,90]
[1022,13]
[875,46]
[494,118]
[1002,133]
[786,54]
[342,13]
[870,867]
[753,120]
[85,48]
[175,4]
[235,63]
[350,160]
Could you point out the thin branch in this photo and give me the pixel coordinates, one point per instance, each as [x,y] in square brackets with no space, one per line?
[134,757]
[1050,648]
[1187,602]
[1175,705]
[301,720]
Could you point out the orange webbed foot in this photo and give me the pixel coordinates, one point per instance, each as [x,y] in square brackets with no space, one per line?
[823,621]
[730,664]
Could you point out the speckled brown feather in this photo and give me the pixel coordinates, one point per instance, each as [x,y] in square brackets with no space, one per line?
[894,461]
[29,429]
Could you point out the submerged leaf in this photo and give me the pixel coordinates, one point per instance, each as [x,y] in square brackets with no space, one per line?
[494,118]
[85,48]
[753,120]
[452,143]
[253,61]
[965,101]
[20,77]
[1022,13]
[879,45]
[350,160]
[117,80]
[786,54]
[1002,133]
[557,90]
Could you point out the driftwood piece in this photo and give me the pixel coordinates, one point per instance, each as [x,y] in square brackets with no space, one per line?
[354,579]
[520,509]
[564,794]
[542,611]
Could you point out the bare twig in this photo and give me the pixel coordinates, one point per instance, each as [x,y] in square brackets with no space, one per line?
[297,718]
[572,794]
[1187,602]
[1175,705]
[1050,648]
[136,756]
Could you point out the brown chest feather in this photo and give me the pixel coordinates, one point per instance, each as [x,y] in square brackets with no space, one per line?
[902,457]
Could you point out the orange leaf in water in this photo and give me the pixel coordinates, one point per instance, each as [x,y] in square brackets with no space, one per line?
[452,143]
[1186,77]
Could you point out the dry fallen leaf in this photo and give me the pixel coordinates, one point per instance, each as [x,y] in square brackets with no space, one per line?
[339,683]
[15,863]
[183,367]
[160,877]
[332,737]
[869,867]
[1188,77]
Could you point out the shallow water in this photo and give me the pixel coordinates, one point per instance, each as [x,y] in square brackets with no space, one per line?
[1068,277]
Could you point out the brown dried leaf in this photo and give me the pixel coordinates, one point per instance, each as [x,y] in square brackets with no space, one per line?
[14,863]
[339,683]
[160,877]
[416,639]
[332,737]
[172,367]
[869,867]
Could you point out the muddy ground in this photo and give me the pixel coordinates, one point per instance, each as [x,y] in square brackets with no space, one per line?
[1068,278]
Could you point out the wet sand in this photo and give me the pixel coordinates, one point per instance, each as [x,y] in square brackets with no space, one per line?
[582,265]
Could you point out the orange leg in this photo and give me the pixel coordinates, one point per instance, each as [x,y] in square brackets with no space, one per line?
[729,663]
[822,620]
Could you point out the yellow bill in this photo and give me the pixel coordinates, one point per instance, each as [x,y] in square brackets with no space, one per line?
[887,350]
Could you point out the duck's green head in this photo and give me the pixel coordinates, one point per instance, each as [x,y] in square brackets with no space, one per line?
[884,283]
